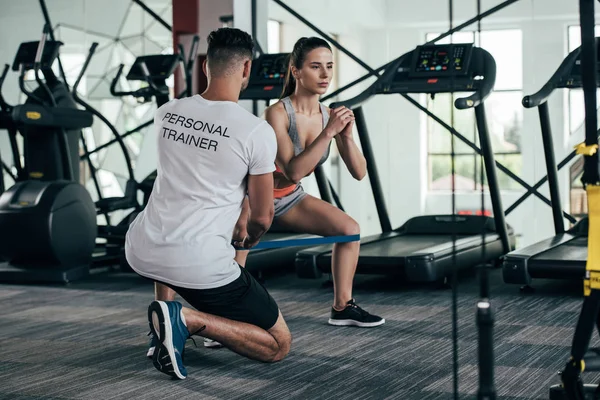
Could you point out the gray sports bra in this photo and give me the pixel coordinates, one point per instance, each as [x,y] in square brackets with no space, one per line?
[293,131]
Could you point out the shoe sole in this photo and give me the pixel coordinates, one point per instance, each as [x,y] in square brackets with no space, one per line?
[159,326]
[213,345]
[150,352]
[351,322]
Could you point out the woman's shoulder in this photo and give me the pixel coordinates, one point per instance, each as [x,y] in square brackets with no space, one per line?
[276,110]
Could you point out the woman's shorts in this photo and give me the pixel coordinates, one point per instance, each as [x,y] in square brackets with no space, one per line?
[285,204]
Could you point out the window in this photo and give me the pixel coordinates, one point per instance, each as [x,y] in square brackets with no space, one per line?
[504,118]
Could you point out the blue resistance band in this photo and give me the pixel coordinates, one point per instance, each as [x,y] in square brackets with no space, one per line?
[273,244]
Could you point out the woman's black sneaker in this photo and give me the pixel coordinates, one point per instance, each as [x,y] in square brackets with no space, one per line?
[353,315]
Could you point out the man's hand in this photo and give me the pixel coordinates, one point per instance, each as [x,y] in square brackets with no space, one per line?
[246,243]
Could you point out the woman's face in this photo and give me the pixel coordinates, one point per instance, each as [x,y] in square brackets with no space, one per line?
[315,74]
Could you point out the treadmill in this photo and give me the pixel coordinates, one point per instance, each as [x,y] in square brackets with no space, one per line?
[266,82]
[421,250]
[564,255]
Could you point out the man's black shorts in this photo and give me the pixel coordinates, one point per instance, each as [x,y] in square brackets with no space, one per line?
[244,300]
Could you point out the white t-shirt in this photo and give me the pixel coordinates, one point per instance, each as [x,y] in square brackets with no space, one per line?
[206,149]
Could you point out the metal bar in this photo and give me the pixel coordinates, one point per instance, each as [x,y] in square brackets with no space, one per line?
[538,185]
[78,28]
[478,17]
[2,187]
[490,170]
[95,112]
[585,325]
[14,147]
[453,131]
[153,14]
[326,36]
[51,32]
[322,183]
[359,80]
[485,350]
[147,27]
[559,225]
[335,196]
[254,29]
[462,154]
[6,169]
[589,84]
[365,143]
[111,142]
[93,171]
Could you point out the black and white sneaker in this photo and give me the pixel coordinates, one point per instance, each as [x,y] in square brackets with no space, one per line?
[353,315]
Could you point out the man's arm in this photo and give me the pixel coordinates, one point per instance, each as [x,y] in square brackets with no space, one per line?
[260,198]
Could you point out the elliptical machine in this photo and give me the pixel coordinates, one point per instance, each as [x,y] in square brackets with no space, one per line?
[153,70]
[47,219]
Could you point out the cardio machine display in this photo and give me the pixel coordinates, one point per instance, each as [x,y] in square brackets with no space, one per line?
[445,60]
[267,77]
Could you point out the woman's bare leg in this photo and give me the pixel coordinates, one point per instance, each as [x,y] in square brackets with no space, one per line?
[318,217]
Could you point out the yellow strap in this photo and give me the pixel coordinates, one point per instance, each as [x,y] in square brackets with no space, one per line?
[584,150]
[592,281]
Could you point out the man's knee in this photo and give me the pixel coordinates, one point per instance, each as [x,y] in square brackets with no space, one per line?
[284,342]
[283,338]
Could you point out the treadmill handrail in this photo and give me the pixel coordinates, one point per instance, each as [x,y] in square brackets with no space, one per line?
[534,100]
[115,82]
[489,73]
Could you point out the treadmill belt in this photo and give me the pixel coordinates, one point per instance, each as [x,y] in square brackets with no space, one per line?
[574,251]
[403,246]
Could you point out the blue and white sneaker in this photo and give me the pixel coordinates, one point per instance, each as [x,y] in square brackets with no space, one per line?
[166,324]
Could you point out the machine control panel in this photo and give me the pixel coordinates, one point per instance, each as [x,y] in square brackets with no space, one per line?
[267,77]
[441,60]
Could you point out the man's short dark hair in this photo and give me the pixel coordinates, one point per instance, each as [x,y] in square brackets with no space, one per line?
[227,47]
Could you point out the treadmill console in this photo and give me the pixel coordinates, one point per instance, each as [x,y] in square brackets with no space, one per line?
[160,67]
[441,60]
[28,50]
[441,68]
[267,77]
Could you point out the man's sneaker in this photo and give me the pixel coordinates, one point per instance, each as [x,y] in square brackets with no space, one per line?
[152,345]
[166,324]
[353,315]
[212,343]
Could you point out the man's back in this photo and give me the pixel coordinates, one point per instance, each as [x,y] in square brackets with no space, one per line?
[205,151]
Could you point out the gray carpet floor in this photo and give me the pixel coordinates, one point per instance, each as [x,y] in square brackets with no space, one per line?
[88,340]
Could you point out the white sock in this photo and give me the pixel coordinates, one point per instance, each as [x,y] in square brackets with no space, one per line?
[182,317]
